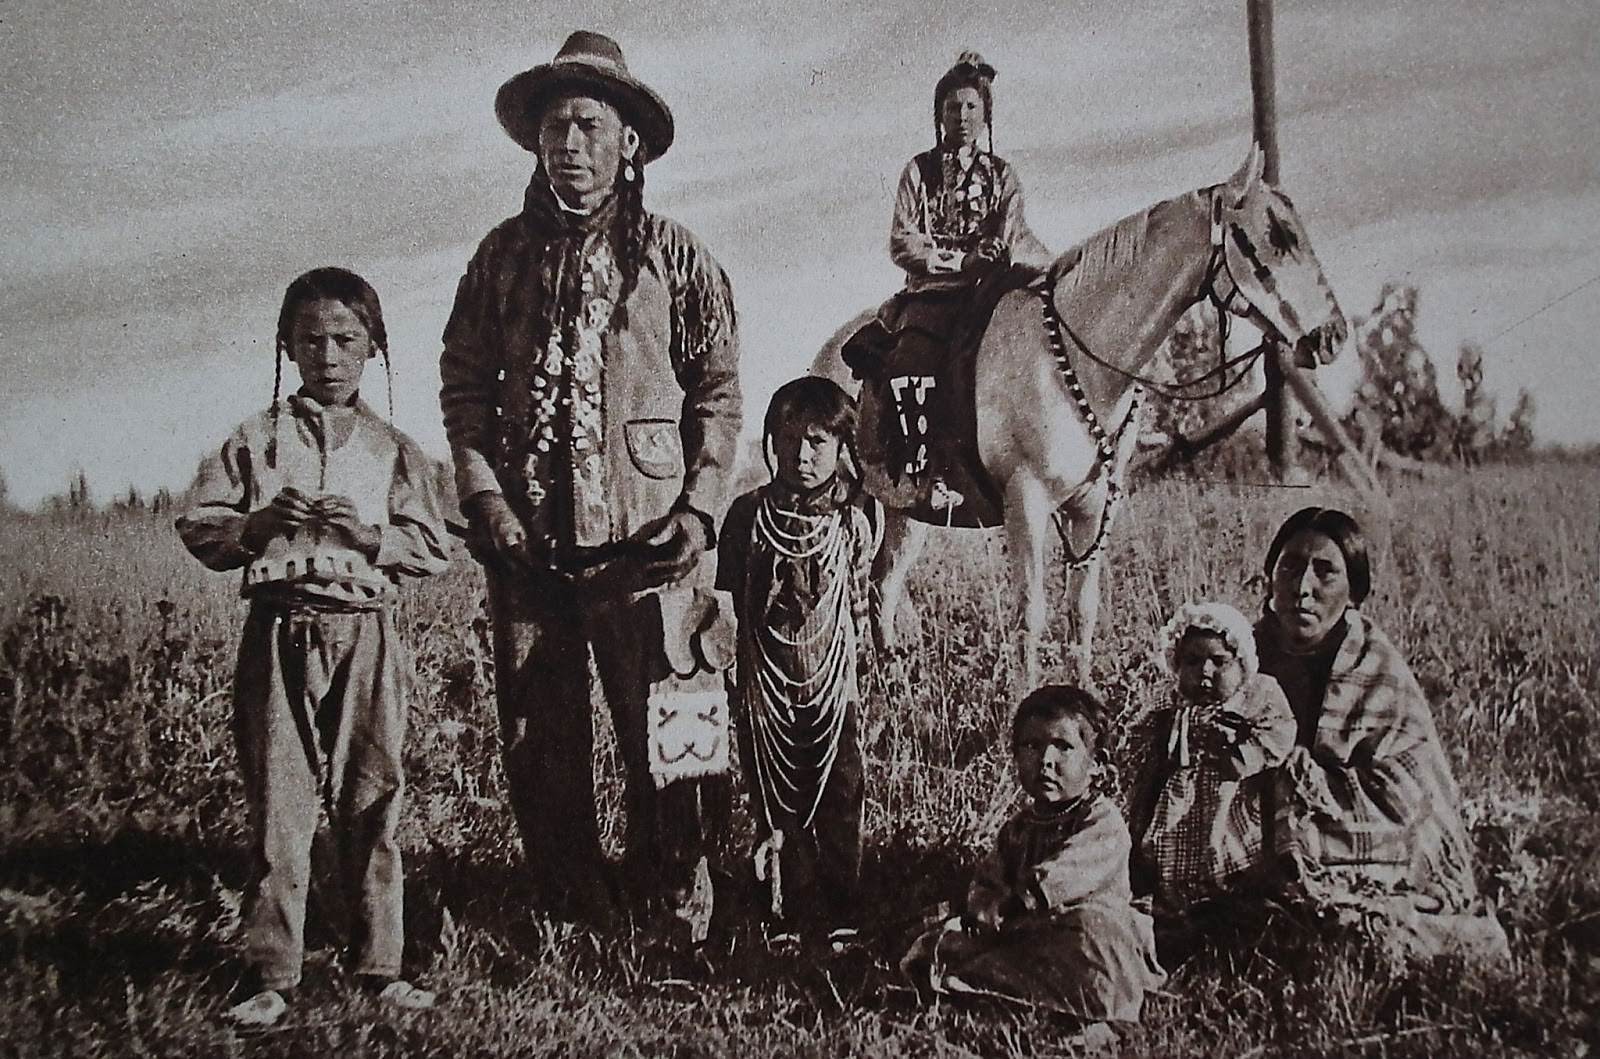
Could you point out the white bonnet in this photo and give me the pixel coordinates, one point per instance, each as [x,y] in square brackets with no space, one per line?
[1220,618]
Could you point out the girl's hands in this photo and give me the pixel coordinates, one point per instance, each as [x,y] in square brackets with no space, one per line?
[986,254]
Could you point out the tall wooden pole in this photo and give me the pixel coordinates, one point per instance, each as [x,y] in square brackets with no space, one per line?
[1262,84]
[1282,441]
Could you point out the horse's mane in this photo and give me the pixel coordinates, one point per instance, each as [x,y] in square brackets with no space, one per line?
[1110,252]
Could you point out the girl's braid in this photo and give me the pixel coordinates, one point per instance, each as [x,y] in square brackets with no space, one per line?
[277,387]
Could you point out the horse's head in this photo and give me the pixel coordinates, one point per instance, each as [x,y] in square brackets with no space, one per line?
[1262,256]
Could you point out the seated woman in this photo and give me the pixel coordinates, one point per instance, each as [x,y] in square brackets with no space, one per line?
[1369,813]
[957,218]
[1050,920]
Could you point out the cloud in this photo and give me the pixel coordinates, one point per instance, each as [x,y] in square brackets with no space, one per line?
[168,169]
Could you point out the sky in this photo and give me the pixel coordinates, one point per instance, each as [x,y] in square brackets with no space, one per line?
[167,168]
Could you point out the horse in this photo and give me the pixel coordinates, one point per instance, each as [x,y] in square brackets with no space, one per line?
[1057,369]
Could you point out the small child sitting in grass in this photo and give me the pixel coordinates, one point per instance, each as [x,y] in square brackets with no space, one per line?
[1050,920]
[1198,797]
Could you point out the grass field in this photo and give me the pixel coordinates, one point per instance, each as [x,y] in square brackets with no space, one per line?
[121,822]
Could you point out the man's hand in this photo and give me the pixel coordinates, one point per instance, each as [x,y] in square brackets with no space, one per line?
[675,542]
[338,513]
[982,918]
[287,512]
[495,525]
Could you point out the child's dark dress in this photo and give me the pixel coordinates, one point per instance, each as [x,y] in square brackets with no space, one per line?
[797,566]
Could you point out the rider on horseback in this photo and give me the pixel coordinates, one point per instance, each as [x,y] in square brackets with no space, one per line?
[958,211]
[957,220]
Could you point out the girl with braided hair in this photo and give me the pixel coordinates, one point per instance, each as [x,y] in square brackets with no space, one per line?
[958,218]
[796,554]
[324,505]
[958,209]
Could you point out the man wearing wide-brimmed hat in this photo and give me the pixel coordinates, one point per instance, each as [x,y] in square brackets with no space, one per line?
[591,397]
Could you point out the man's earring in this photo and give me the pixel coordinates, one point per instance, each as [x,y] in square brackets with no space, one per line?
[627,171]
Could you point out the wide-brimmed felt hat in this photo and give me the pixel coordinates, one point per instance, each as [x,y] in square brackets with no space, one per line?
[591,62]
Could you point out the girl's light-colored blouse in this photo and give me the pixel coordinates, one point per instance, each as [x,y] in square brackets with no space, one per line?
[946,205]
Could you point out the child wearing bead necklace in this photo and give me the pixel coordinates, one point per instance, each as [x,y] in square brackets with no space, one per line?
[796,554]
[324,506]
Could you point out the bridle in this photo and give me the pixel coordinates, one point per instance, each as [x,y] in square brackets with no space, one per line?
[1216,267]
[1056,327]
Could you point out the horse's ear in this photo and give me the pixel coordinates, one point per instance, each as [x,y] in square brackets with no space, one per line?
[1248,176]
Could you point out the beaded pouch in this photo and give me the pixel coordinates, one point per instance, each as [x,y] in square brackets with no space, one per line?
[688,733]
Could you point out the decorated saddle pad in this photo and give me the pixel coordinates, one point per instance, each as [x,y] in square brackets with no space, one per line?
[935,339]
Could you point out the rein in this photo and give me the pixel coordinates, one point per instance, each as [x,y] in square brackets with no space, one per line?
[1055,326]
[1102,440]
[1216,264]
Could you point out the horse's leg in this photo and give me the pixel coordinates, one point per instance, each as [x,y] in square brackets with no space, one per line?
[1083,584]
[902,545]
[1028,512]
[1083,587]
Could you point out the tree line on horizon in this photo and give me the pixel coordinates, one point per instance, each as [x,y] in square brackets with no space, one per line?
[1397,408]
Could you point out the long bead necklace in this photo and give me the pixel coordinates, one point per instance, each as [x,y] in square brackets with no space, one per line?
[801,711]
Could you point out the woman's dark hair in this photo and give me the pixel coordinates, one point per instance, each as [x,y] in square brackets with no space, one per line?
[1339,528]
[1054,702]
[333,284]
[814,401]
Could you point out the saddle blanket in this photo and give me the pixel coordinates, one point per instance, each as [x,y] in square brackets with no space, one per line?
[918,364]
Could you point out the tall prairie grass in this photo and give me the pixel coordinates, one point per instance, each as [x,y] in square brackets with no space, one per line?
[121,825]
